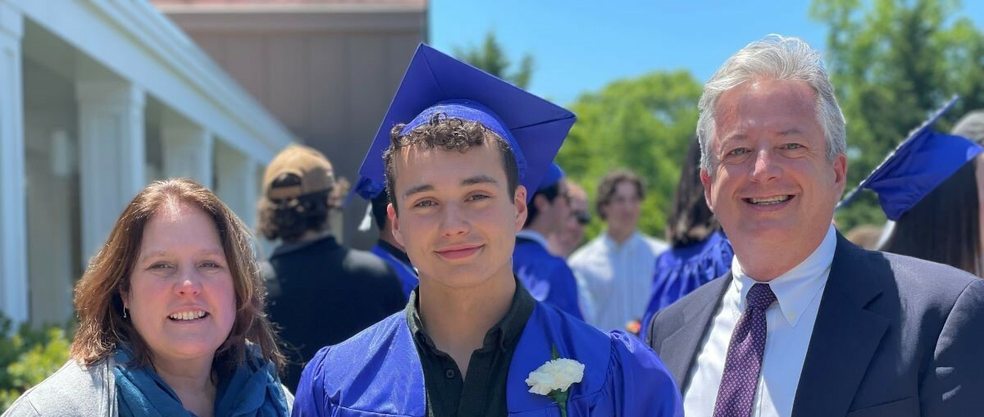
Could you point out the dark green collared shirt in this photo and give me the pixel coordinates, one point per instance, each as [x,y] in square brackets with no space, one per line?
[484,392]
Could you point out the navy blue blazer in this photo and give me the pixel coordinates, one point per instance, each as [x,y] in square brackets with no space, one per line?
[894,336]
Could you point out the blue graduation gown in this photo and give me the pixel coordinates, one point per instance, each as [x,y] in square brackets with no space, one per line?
[682,270]
[378,373]
[548,278]
[404,271]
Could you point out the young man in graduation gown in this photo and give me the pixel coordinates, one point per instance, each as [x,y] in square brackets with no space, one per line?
[465,148]
[545,275]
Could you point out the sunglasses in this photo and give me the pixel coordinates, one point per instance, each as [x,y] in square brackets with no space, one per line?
[582,216]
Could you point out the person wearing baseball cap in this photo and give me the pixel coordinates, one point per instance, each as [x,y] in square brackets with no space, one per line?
[320,291]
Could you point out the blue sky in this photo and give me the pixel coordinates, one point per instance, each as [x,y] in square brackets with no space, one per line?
[581,45]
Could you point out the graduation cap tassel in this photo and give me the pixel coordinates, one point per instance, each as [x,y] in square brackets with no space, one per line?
[366,223]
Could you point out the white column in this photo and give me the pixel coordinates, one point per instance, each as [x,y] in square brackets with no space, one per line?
[49,226]
[112,155]
[13,218]
[187,150]
[236,182]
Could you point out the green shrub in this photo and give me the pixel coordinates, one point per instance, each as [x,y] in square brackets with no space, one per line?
[29,356]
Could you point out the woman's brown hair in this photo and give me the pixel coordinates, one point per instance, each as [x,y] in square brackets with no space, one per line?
[98,295]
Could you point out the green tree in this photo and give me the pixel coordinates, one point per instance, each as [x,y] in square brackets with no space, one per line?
[642,124]
[491,57]
[892,63]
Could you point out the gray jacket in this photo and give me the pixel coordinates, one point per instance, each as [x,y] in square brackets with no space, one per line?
[75,390]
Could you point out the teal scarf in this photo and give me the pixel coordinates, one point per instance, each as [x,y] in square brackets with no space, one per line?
[252,389]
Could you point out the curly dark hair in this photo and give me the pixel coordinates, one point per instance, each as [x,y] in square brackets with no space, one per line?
[289,218]
[450,134]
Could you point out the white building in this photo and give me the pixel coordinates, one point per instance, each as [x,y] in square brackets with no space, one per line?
[97,98]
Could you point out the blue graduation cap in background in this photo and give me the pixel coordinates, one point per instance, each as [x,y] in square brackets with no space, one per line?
[916,167]
[551,177]
[437,83]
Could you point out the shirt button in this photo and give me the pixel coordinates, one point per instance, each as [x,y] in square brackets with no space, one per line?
[449,373]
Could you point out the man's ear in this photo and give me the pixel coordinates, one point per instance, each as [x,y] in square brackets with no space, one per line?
[394,221]
[705,180]
[519,200]
[840,172]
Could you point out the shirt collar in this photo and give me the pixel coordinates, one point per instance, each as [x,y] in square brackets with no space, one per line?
[504,335]
[797,287]
[532,235]
[611,243]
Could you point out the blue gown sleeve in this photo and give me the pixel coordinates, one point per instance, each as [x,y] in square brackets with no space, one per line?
[566,287]
[309,400]
[640,384]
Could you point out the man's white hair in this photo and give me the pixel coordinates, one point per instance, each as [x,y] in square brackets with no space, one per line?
[781,58]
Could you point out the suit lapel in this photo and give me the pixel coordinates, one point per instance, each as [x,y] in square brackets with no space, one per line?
[845,336]
[685,341]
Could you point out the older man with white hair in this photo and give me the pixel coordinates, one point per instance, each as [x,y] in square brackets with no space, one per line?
[806,323]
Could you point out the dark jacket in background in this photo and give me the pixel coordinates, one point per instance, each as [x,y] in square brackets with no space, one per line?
[321,293]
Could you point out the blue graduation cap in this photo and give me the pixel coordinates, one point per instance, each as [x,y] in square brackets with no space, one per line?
[553,175]
[917,166]
[437,83]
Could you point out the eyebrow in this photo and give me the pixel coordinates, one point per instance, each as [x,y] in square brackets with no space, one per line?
[163,253]
[418,189]
[479,179]
[791,131]
[473,180]
[735,137]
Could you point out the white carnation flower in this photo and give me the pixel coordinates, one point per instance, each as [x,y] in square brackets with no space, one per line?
[557,374]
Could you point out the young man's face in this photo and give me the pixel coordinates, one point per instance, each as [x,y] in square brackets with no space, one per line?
[457,219]
[558,211]
[622,210]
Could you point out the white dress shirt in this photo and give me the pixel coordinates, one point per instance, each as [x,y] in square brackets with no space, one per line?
[618,278]
[790,326]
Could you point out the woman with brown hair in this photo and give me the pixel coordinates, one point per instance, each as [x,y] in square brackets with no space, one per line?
[171,319]
[944,223]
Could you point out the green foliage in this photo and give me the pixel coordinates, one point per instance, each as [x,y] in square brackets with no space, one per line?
[642,124]
[29,356]
[892,63]
[490,57]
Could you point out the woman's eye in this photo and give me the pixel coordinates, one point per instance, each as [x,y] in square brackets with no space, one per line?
[210,264]
[160,266]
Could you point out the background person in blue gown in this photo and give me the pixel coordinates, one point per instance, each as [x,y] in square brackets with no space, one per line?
[945,225]
[386,247]
[699,251]
[547,276]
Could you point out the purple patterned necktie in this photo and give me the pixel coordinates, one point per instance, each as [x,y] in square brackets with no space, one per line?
[741,368]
